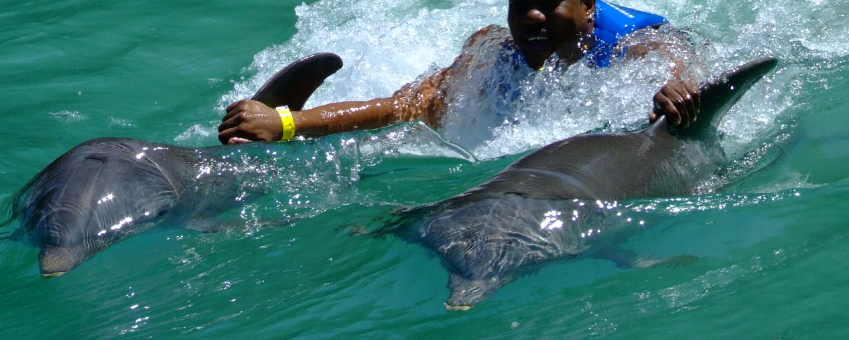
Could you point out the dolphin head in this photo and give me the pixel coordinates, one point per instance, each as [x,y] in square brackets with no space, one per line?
[90,198]
[486,246]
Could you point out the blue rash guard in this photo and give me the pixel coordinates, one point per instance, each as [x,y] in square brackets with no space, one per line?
[613,22]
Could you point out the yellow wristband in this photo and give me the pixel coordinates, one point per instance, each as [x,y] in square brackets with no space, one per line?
[288,123]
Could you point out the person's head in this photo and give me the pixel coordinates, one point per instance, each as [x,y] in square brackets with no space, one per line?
[544,27]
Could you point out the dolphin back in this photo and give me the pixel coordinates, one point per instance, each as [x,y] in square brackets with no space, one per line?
[615,166]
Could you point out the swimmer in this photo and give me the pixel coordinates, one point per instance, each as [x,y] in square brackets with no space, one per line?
[538,30]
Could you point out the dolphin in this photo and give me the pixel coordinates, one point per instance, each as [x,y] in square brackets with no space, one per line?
[551,203]
[106,189]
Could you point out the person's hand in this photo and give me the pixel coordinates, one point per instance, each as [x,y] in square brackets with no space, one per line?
[249,120]
[677,100]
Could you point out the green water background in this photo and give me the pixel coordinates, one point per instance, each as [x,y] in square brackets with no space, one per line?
[771,245]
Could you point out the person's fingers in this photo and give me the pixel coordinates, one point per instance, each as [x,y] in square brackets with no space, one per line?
[683,104]
[697,99]
[687,107]
[234,104]
[232,110]
[691,109]
[679,101]
[233,121]
[225,135]
[665,105]
[652,117]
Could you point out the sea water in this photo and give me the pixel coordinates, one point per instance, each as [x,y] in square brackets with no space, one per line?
[768,232]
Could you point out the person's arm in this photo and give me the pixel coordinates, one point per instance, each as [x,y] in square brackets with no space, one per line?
[679,99]
[249,120]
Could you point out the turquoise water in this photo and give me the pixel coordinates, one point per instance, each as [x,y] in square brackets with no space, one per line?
[770,242]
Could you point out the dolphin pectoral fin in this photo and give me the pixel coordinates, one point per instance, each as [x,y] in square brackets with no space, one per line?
[206,225]
[55,261]
[624,258]
[295,83]
[628,259]
[672,262]
[212,225]
[466,293]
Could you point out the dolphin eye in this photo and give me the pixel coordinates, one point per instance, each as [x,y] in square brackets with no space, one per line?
[164,209]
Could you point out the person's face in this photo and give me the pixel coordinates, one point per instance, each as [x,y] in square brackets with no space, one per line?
[543,27]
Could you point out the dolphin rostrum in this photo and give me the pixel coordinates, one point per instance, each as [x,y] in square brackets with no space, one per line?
[106,189]
[550,203]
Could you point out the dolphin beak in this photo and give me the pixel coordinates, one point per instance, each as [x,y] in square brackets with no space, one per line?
[55,261]
[55,274]
[465,293]
[460,308]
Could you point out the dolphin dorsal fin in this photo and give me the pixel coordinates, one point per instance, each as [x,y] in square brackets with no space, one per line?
[720,93]
[659,126]
[295,83]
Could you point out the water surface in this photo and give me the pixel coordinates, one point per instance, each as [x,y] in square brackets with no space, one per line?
[770,241]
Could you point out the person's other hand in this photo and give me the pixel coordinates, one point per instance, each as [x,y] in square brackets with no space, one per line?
[677,100]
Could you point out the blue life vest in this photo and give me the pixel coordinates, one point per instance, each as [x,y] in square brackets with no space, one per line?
[612,22]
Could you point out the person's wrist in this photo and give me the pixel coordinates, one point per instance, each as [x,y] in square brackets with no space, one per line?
[287,122]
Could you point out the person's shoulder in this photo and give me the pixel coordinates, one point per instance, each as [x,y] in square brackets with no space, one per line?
[492,29]
[489,32]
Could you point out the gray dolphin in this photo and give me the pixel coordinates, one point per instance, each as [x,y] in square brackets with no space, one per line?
[550,204]
[107,189]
